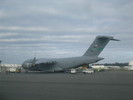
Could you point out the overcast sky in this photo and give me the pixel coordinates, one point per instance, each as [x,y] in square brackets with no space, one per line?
[64,28]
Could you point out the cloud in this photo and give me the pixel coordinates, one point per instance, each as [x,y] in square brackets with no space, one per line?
[8,34]
[45,38]
[17,28]
[3,14]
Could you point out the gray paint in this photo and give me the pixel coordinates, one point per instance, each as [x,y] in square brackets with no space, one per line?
[51,65]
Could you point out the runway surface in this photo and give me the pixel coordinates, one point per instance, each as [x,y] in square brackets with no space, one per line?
[115,85]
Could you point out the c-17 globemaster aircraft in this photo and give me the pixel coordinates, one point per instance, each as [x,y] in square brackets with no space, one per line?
[62,64]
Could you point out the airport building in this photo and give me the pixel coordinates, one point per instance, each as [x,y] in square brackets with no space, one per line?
[128,67]
[10,67]
[130,64]
[105,67]
[99,67]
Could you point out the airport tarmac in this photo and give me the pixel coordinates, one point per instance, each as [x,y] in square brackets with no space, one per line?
[110,85]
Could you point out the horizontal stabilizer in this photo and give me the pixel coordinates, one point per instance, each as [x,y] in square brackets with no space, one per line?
[115,39]
[107,37]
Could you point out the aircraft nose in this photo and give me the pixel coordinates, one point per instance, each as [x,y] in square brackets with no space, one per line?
[26,65]
[29,64]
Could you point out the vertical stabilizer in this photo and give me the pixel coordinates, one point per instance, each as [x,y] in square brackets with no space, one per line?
[98,45]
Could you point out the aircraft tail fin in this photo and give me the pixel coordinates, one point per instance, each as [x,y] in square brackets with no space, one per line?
[98,45]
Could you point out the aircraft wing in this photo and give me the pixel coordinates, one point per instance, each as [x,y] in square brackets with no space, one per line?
[45,62]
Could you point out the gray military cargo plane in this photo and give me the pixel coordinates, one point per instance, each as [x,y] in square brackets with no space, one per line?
[62,64]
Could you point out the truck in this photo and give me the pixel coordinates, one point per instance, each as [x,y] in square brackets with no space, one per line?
[73,71]
[12,69]
[85,71]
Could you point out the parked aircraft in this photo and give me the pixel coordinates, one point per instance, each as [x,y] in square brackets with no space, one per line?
[61,64]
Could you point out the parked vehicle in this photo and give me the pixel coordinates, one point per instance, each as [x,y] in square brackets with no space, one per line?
[88,71]
[73,71]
